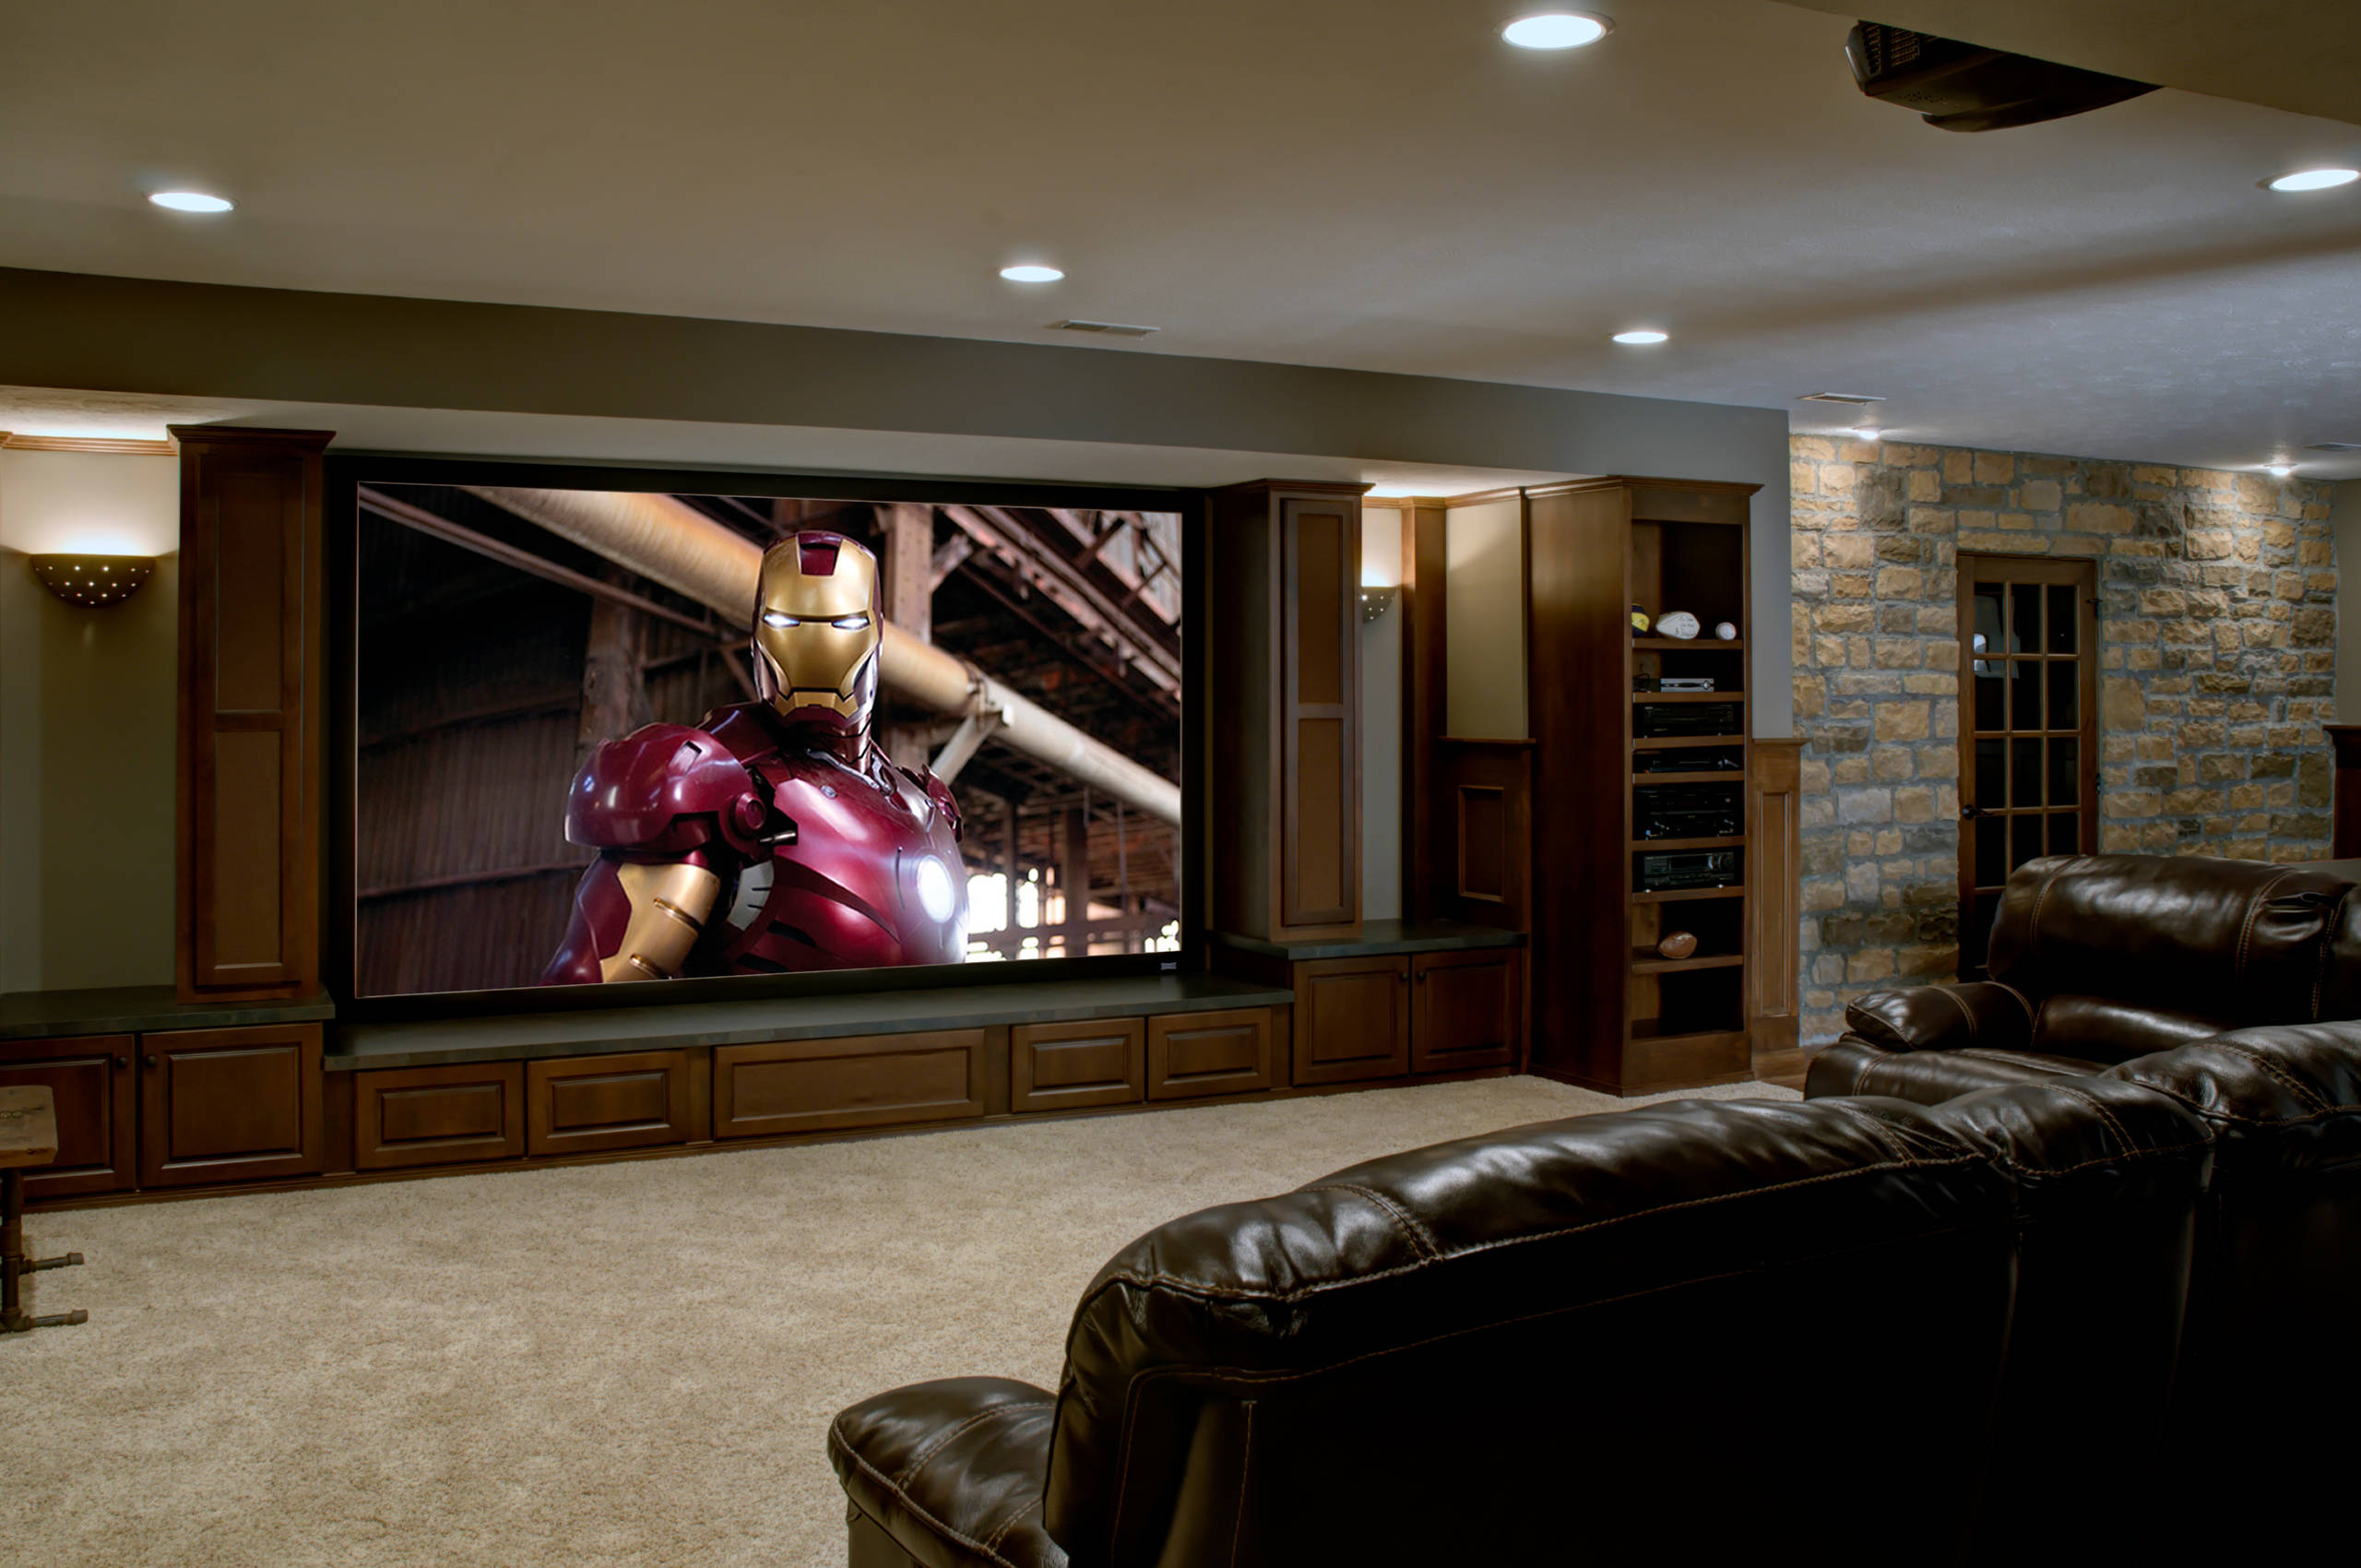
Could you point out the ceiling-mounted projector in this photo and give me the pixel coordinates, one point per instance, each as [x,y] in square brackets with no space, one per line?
[1964,86]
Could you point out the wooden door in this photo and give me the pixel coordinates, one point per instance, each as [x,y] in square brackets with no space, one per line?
[230,1105]
[409,1116]
[1060,1067]
[1320,745]
[577,1104]
[1352,1019]
[1467,1009]
[1190,1055]
[90,1078]
[2028,782]
[817,1086]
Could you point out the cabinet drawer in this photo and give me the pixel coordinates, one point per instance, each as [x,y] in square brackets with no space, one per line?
[1467,1009]
[1054,1066]
[1352,1019]
[230,1105]
[579,1103]
[809,1085]
[1194,1054]
[411,1116]
[90,1078]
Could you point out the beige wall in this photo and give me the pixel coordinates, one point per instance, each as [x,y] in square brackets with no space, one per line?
[1381,759]
[87,716]
[1484,620]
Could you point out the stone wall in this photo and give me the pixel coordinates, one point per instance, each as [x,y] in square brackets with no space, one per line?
[2217,638]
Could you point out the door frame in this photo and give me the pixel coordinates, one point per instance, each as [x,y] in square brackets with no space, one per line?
[2081,573]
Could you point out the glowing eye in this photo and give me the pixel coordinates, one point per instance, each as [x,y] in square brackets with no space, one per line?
[775,617]
[851,623]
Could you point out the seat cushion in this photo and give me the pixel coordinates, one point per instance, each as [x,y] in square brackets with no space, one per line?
[1854,1065]
[2100,1031]
[952,1470]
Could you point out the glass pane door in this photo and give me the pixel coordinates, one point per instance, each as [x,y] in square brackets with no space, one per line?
[2029,775]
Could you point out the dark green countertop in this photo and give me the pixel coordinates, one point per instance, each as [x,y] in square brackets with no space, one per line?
[1378,937]
[140,1009]
[498,1038]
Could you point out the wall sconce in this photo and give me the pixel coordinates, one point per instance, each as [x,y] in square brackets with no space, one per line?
[93,580]
[1376,602]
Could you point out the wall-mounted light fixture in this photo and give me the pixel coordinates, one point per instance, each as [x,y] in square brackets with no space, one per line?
[1376,602]
[93,580]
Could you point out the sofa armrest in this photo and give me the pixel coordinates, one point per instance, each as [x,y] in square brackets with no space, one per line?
[1981,1014]
[953,1470]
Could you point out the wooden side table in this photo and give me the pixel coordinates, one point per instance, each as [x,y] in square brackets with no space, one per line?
[28,1136]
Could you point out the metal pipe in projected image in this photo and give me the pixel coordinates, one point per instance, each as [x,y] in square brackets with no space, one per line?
[671,542]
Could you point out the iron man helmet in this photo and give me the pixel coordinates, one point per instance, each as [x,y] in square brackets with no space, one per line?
[817,631]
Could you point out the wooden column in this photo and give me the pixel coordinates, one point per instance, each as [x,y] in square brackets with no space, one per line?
[908,595]
[2345,830]
[1774,969]
[251,717]
[1284,729]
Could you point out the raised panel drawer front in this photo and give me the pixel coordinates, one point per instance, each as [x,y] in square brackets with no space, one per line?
[89,1078]
[1352,1019]
[581,1103]
[1468,1009]
[413,1116]
[230,1105]
[1190,1055]
[812,1085]
[1057,1066]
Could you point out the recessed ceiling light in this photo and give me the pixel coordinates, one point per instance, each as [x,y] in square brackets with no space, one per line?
[2279,471]
[2315,179]
[191,201]
[1031,272]
[1557,29]
[1642,335]
[1866,433]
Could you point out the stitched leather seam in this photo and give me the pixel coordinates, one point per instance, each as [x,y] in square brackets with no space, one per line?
[1245,1468]
[837,1439]
[2328,928]
[2269,1069]
[1194,1287]
[2246,931]
[2022,1001]
[917,1461]
[1876,1129]
[1421,1240]
[2110,1159]
[1861,1075]
[1964,1010]
[2103,1114]
[2033,921]
[991,1542]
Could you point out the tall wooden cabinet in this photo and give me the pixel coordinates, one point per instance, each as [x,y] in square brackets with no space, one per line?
[251,712]
[1284,651]
[1608,1011]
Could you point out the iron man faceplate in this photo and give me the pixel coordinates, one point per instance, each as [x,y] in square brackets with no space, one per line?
[776,837]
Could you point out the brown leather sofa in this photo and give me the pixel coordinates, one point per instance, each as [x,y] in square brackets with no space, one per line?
[1587,1339]
[2096,959]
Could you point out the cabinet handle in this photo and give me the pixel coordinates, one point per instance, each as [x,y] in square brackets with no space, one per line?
[122,1064]
[1422,977]
[151,1060]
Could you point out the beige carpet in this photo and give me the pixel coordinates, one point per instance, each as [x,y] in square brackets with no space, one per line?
[624,1365]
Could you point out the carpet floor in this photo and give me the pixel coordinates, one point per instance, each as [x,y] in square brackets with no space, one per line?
[628,1364]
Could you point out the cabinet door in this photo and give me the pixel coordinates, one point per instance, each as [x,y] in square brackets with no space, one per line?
[577,1104]
[815,1086]
[1467,1009]
[230,1105]
[1352,1019]
[1055,1066]
[438,1115]
[1194,1054]
[90,1078]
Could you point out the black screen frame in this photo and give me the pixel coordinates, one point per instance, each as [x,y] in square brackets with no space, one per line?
[344,473]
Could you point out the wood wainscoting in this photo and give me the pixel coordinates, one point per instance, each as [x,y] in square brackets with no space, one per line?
[1773,822]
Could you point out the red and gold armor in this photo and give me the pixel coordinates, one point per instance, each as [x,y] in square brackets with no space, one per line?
[776,837]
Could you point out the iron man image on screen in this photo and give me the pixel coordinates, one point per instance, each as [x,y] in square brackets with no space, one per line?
[776,837]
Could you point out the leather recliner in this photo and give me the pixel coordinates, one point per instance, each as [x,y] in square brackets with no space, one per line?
[2096,959]
[1585,1333]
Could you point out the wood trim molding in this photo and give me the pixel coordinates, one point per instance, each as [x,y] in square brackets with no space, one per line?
[120,447]
[1425,692]
[1774,975]
[2344,740]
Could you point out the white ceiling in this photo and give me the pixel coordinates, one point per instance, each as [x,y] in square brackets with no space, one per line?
[1378,185]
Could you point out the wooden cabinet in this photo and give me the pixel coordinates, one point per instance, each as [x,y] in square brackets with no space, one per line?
[578,1104]
[1352,1019]
[230,1105]
[1467,1009]
[1057,1066]
[809,1085]
[97,1105]
[251,712]
[1191,1055]
[1285,658]
[438,1115]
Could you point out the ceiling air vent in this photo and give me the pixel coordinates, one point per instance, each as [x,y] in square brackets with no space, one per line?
[1857,399]
[2334,446]
[1103,328]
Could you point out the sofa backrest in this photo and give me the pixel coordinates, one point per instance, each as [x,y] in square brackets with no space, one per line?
[2122,954]
[1565,1331]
